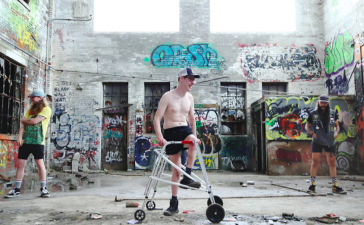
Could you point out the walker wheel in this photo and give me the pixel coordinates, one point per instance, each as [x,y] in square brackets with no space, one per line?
[150,205]
[215,213]
[218,200]
[139,215]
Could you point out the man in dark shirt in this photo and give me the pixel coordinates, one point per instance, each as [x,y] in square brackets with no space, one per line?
[323,125]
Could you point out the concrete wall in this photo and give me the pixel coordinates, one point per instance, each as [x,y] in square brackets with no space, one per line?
[89,58]
[286,119]
[23,40]
[343,29]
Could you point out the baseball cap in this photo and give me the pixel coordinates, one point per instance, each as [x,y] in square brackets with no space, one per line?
[187,72]
[37,93]
[324,98]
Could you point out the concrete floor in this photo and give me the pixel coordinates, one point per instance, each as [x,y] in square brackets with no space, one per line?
[249,203]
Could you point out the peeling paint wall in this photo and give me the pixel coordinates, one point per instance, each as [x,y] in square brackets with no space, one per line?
[23,32]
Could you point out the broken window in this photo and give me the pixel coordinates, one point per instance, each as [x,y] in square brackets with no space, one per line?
[11,84]
[115,94]
[233,119]
[152,96]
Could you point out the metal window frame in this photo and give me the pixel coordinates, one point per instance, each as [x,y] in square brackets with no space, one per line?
[15,119]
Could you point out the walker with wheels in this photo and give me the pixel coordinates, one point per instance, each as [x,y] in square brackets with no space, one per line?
[214,212]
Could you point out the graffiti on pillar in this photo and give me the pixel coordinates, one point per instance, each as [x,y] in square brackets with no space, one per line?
[199,55]
[339,53]
[144,155]
[360,128]
[235,153]
[337,84]
[208,132]
[289,155]
[345,155]
[8,155]
[270,62]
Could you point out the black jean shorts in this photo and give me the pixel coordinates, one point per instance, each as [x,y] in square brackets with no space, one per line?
[318,148]
[176,134]
[26,149]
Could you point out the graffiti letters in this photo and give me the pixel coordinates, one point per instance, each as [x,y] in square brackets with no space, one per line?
[196,55]
[27,38]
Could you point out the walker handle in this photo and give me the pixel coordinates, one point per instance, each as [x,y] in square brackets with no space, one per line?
[187,142]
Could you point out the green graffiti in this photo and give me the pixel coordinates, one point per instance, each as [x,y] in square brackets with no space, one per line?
[342,137]
[198,124]
[339,53]
[270,122]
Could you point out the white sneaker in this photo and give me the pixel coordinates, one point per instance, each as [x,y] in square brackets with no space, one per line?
[13,193]
[44,193]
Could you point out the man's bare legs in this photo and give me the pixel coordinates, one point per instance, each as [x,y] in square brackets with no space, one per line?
[176,174]
[314,166]
[331,160]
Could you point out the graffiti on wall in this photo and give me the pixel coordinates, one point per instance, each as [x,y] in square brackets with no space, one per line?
[196,55]
[235,153]
[207,129]
[73,130]
[8,155]
[360,128]
[270,62]
[339,53]
[286,117]
[27,38]
[359,57]
[113,137]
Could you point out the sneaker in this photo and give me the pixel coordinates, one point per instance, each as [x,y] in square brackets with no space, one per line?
[338,190]
[13,193]
[44,193]
[312,188]
[173,208]
[189,182]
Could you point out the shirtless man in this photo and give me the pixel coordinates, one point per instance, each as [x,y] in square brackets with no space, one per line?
[176,106]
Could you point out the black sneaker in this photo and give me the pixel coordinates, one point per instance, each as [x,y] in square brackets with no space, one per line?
[312,188]
[338,190]
[173,208]
[13,193]
[189,182]
[44,192]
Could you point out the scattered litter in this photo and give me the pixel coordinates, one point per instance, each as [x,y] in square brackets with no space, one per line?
[244,185]
[1,211]
[341,218]
[106,171]
[270,221]
[158,208]
[117,200]
[95,216]
[250,182]
[331,215]
[229,220]
[275,218]
[91,181]
[287,214]
[84,178]
[362,221]
[73,187]
[189,211]
[179,219]
[241,183]
[131,204]
[8,185]
[4,178]
[307,181]
[330,193]
[305,174]
[327,220]
[133,221]
[78,175]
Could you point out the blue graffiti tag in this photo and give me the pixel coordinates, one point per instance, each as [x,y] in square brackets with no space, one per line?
[196,55]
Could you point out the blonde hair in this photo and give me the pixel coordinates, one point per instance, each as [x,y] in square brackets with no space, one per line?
[38,107]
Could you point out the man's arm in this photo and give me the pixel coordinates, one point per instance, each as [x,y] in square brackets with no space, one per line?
[191,117]
[309,131]
[337,129]
[33,121]
[162,106]
[20,135]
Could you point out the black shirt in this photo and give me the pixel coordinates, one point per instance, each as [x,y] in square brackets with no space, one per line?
[325,121]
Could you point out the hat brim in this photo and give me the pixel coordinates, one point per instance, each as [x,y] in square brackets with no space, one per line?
[323,100]
[195,75]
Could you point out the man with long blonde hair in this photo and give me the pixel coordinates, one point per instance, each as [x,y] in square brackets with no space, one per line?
[32,132]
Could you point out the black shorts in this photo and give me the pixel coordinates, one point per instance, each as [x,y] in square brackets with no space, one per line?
[318,148]
[26,149]
[176,134]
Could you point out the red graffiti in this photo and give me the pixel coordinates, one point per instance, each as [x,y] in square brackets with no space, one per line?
[289,155]
[291,125]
